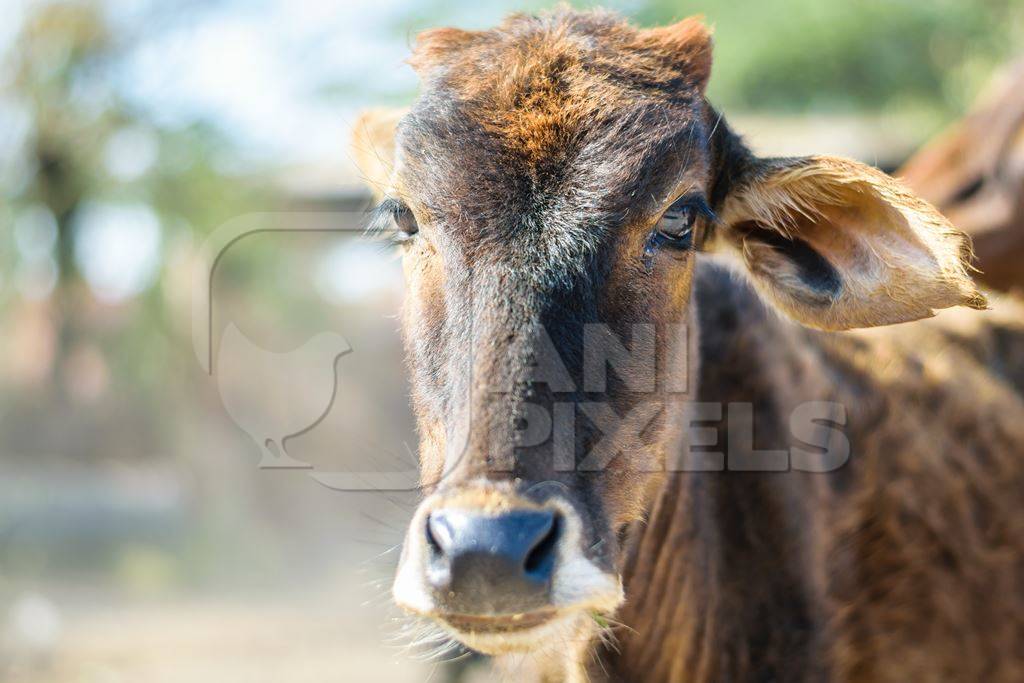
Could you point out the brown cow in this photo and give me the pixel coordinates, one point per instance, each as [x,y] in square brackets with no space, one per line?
[742,498]
[974,174]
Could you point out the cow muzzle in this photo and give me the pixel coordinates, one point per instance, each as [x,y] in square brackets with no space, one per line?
[500,573]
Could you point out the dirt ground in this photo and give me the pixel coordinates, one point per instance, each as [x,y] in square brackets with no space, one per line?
[213,641]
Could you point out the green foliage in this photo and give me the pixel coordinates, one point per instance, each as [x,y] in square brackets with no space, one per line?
[852,56]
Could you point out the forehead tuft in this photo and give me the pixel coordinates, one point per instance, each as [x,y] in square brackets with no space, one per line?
[533,55]
[526,40]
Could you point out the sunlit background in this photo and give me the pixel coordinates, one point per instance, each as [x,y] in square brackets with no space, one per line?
[140,540]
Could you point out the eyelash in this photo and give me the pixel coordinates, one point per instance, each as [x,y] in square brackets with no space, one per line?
[694,205]
[394,220]
[689,208]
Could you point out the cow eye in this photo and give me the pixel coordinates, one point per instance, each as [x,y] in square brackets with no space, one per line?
[406,223]
[676,226]
[394,220]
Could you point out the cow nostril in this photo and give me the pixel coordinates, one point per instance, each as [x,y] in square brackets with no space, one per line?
[435,549]
[541,559]
[437,535]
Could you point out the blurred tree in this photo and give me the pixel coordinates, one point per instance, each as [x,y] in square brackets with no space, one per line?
[97,369]
[57,44]
[103,176]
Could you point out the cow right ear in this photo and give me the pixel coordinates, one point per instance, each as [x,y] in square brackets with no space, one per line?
[836,244]
[373,147]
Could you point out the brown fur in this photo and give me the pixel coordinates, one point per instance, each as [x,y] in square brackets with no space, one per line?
[906,564]
[538,162]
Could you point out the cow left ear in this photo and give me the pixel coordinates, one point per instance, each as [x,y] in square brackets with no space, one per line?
[837,244]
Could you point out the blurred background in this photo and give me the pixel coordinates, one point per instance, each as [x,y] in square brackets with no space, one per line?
[143,535]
